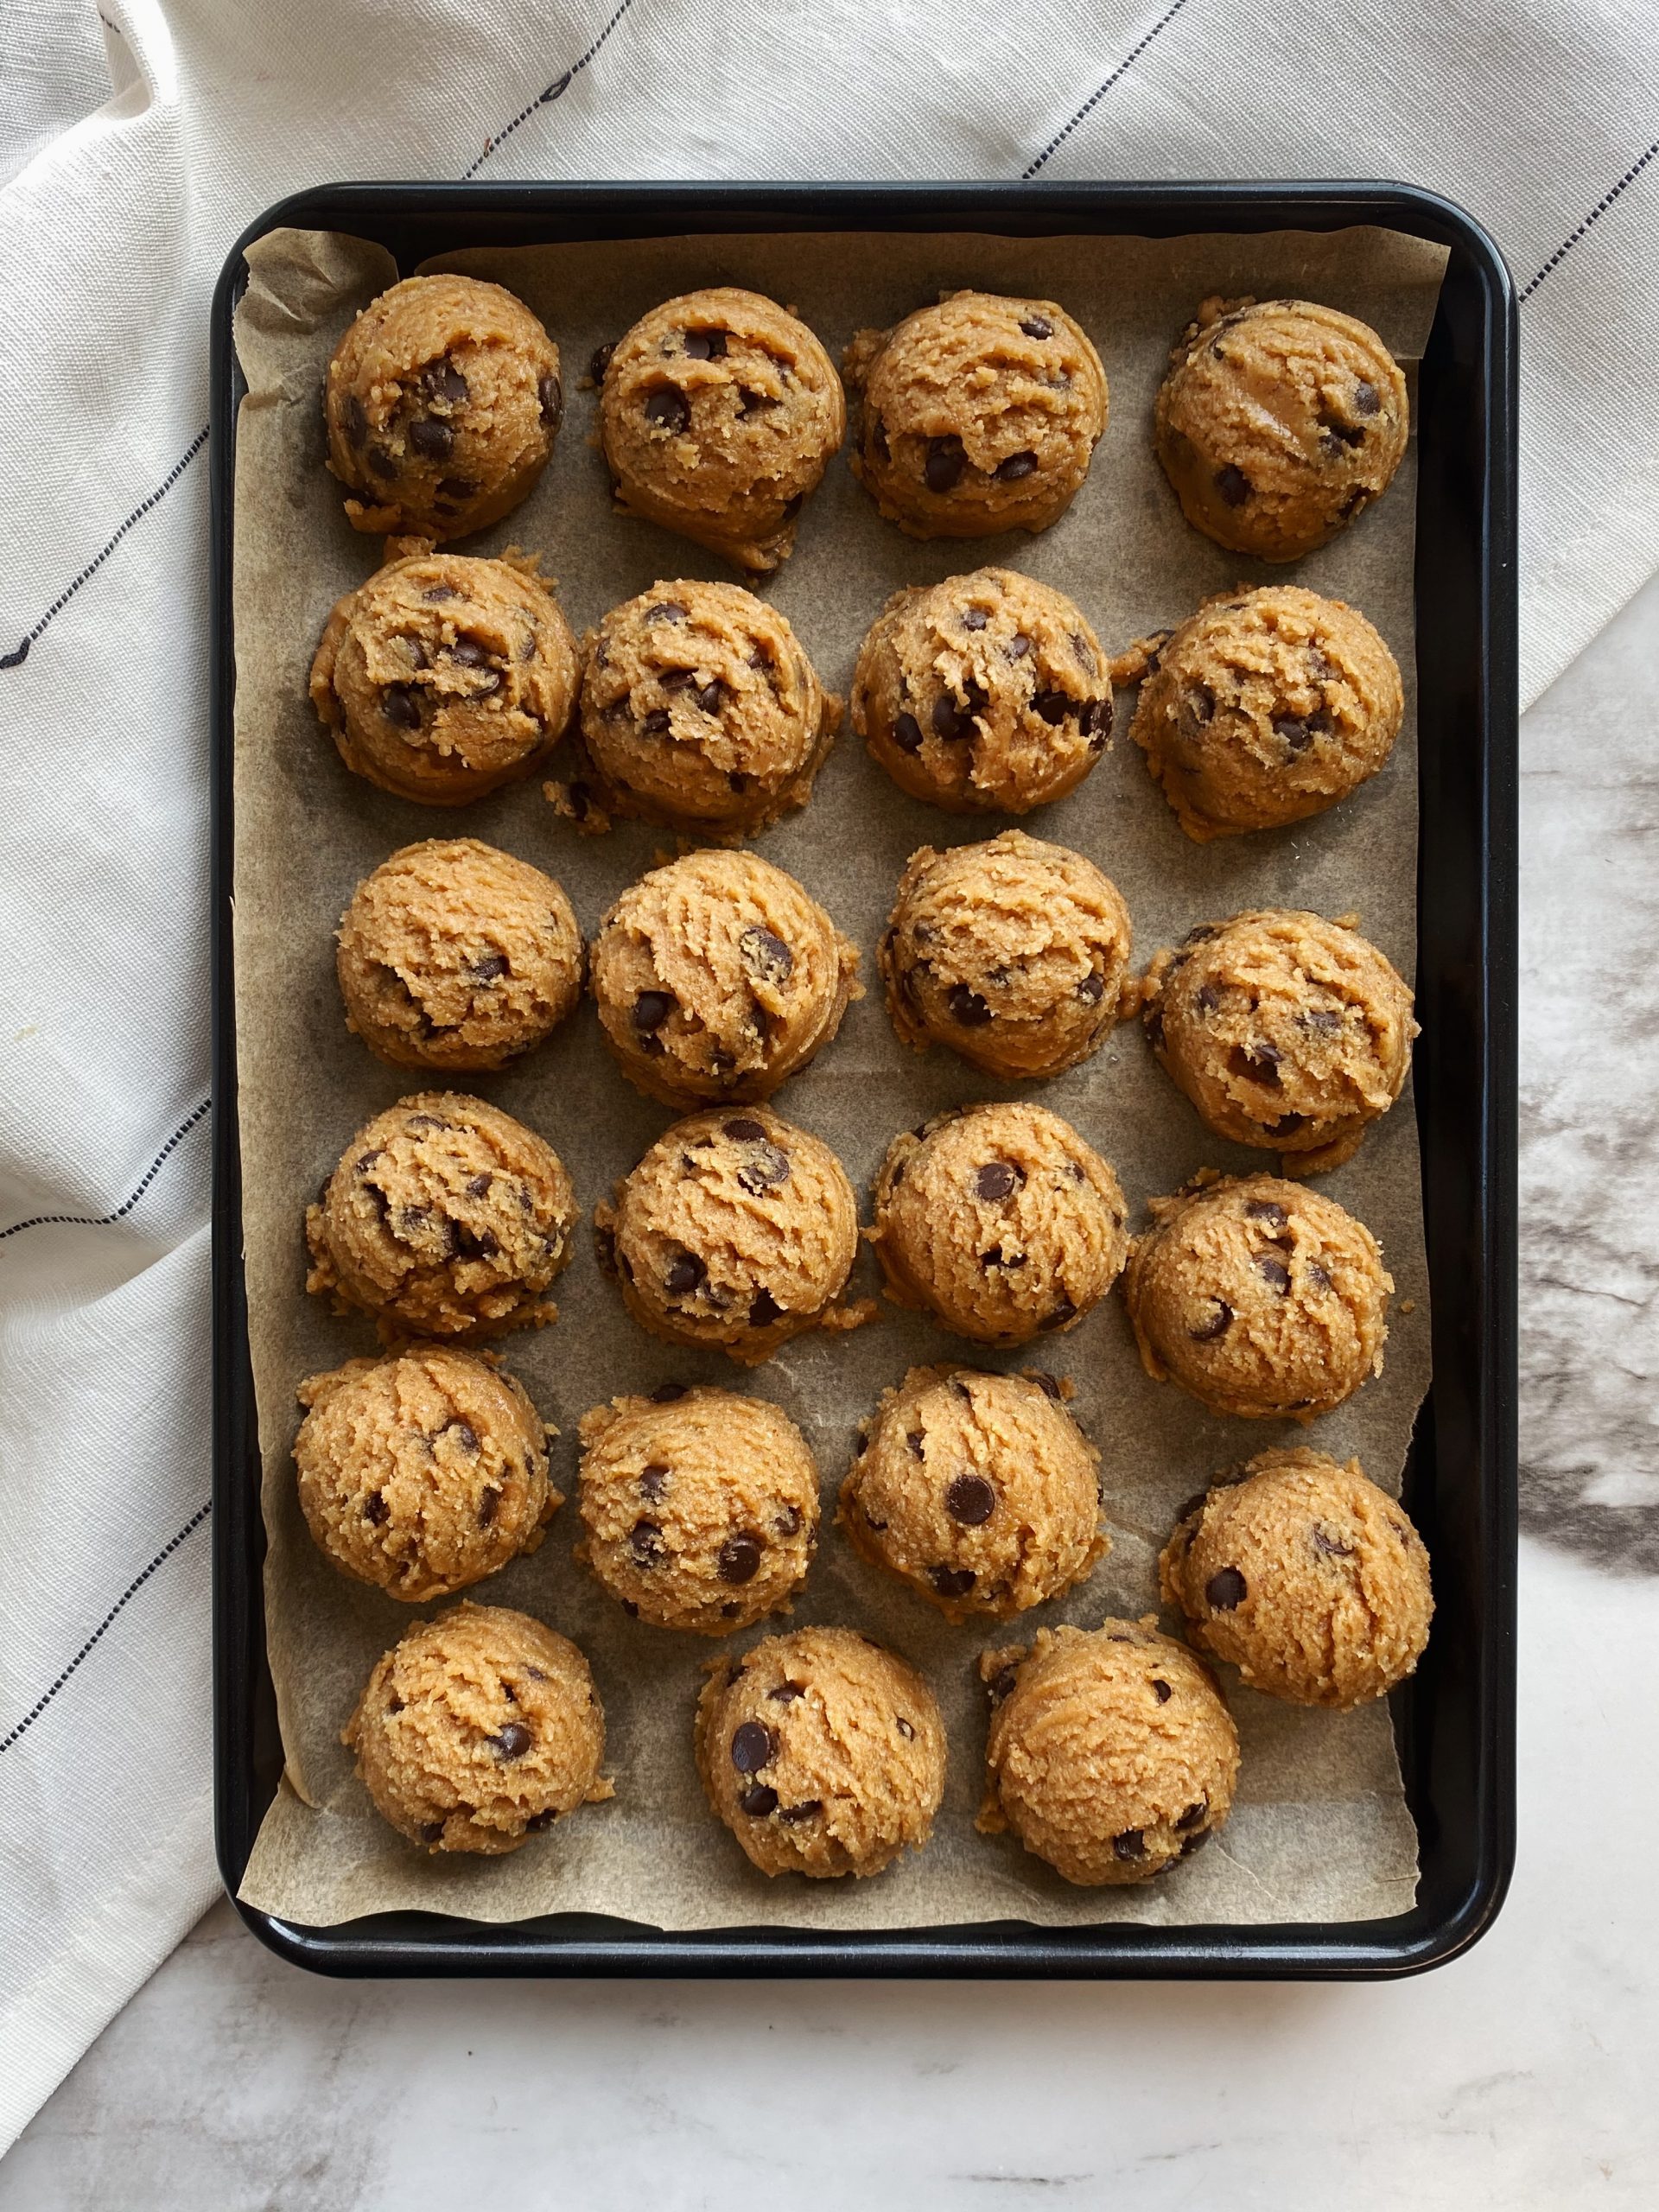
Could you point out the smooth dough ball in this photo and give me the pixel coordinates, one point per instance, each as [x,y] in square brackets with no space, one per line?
[1262,1298]
[718,413]
[453,955]
[445,1218]
[999,1221]
[979,1490]
[736,1231]
[701,1507]
[984,693]
[977,414]
[478,1729]
[1110,1753]
[1285,1032]
[1278,423]
[444,676]
[1310,1579]
[424,1471]
[441,403]
[823,1753]
[718,976]
[1014,954]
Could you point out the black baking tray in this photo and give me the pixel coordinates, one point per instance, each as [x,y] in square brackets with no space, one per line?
[1455,1719]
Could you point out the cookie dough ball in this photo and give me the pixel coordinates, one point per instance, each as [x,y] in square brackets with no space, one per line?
[441,404]
[719,977]
[823,1753]
[735,1232]
[444,676]
[1014,954]
[479,1729]
[718,413]
[1278,423]
[1285,1032]
[1260,1297]
[701,1508]
[445,1218]
[1311,1580]
[422,1473]
[1110,1753]
[984,693]
[977,414]
[1266,707]
[978,1491]
[999,1220]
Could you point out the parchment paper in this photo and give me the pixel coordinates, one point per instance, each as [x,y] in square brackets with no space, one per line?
[1320,1830]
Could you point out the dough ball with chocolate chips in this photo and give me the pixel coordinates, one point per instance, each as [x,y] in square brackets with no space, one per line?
[984,693]
[702,1510]
[444,676]
[1110,1753]
[1306,1577]
[424,1471]
[1260,1297]
[445,1218]
[718,413]
[441,404]
[978,1491]
[977,414]
[823,1753]
[999,1221]
[719,977]
[478,1729]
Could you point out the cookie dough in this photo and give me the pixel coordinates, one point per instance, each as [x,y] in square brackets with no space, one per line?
[478,1729]
[718,413]
[702,1509]
[1278,423]
[719,977]
[441,404]
[444,676]
[1286,1031]
[1263,708]
[1014,954]
[978,1491]
[999,1220]
[1110,1753]
[424,1471]
[445,1218]
[1310,1579]
[977,415]
[823,1753]
[984,693]
[736,1231]
[1262,1298]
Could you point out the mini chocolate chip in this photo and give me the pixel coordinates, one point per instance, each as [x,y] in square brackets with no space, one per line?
[487,1507]
[1218,1326]
[645,1543]
[786,1692]
[952,1581]
[739,1557]
[1195,1843]
[667,1394]
[467,652]
[511,1742]
[1047,1383]
[1053,706]
[996,1179]
[764,1309]
[1273,1272]
[545,1819]
[970,1500]
[657,722]
[375,1508]
[1059,1316]
[1366,397]
[997,1257]
[710,697]
[754,1745]
[1002,1682]
[437,591]
[1328,1546]
[1019,645]
[1131,1843]
[394,1703]
[1297,732]
[488,967]
[441,379]
[967,1006]
[400,706]
[1233,485]
[974,618]
[765,1169]
[653,1480]
[650,1010]
[1037,325]
[666,610]
[1092,989]
[803,1811]
[1193,1815]
[907,733]
[705,345]
[684,1275]
[788,1522]
[1016,466]
[950,718]
[1163,1690]
[1322,1020]
[551,392]
[745,1131]
[906,1728]
[1317,1275]
[1206,998]
[1225,1589]
[356,423]
[472,1244]
[430,1831]
[431,439]
[766,954]
[945,464]
[738,780]
[601,361]
[457,487]
[1267,1210]
[758,1799]
[669,410]
[381,461]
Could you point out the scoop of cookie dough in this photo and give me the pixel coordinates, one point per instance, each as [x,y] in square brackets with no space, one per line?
[984,693]
[999,1220]
[977,415]
[1286,1031]
[1110,1753]
[444,676]
[823,1753]
[736,1231]
[1014,954]
[478,1729]
[718,413]
[1262,1298]
[719,977]
[424,1471]
[1310,1579]
[445,1218]
[441,404]
[1278,423]
[701,1507]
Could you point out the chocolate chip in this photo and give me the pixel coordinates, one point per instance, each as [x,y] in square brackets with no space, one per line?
[381,461]
[997,1257]
[375,1508]
[472,1244]
[1269,1210]
[1366,397]
[1163,1690]
[1328,1546]
[764,954]
[708,699]
[1092,989]
[545,1819]
[1130,1844]
[430,1831]
[601,361]
[803,1811]
[740,1558]
[967,1006]
[788,1522]
[950,719]
[443,380]
[551,392]
[907,733]
[705,345]
[436,592]
[970,1500]
[666,610]
[457,487]
[1218,1326]
[1233,485]
[1019,645]
[356,420]
[1016,466]
[1297,732]
[1059,1316]
[945,464]
[645,1543]
[786,1692]
[400,706]
[668,1394]
[1322,1020]
[754,1745]
[996,1179]
[738,780]
[758,1799]
[1317,1276]
[650,1010]
[669,410]
[630,1609]
[656,723]
[1053,706]
[1192,1816]
[974,618]
[906,1728]
[1225,1589]
[511,1742]
[1037,325]
[467,652]
[488,967]
[653,1481]
[1002,1682]
[1047,1383]
[765,1169]
[431,439]
[1195,1843]
[1273,1272]
[745,1131]
[684,1275]
[394,1703]
[952,1581]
